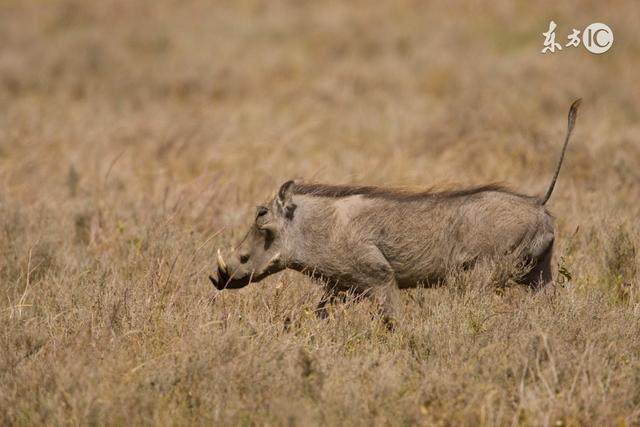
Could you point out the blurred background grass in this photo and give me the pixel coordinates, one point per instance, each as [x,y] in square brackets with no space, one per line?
[137,136]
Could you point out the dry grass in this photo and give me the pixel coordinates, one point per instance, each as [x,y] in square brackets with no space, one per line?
[137,137]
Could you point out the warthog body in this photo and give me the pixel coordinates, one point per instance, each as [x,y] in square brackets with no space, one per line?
[376,241]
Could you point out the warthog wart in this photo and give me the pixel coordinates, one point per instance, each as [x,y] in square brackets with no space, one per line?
[375,241]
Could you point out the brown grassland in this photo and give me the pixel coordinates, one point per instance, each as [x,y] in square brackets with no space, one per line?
[136,137]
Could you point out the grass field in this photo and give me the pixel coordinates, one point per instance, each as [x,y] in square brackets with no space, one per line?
[137,137]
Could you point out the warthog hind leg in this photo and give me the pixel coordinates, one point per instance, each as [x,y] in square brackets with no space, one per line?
[540,274]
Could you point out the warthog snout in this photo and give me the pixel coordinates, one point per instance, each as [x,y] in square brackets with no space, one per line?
[236,271]
[230,273]
[220,279]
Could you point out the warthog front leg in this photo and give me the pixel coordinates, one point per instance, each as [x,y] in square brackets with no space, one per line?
[364,270]
[378,281]
[328,297]
[331,295]
[387,297]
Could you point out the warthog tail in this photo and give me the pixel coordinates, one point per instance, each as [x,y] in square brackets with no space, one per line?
[573,113]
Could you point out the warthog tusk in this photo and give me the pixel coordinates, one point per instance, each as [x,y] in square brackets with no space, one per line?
[221,263]
[274,259]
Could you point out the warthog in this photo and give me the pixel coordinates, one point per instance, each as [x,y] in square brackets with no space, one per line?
[376,241]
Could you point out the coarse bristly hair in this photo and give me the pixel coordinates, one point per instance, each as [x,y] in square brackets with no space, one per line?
[396,194]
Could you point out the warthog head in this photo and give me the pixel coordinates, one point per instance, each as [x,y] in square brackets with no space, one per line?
[261,252]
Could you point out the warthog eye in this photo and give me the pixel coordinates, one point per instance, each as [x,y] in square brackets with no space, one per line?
[261,211]
[244,258]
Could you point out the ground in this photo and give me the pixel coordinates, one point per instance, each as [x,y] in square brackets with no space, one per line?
[137,137]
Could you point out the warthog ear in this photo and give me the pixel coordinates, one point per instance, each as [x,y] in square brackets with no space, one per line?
[284,193]
[285,199]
